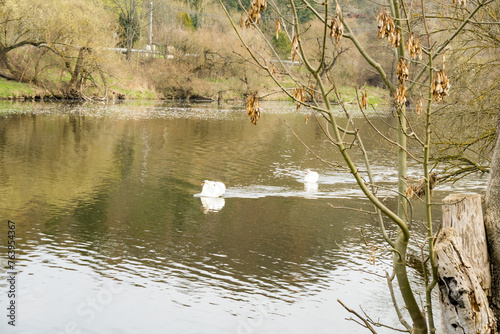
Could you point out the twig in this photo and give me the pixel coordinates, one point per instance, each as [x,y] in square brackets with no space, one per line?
[314,153]
[387,139]
[366,323]
[400,315]
[353,209]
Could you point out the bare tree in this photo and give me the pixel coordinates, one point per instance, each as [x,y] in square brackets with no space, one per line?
[419,52]
[70,32]
[128,12]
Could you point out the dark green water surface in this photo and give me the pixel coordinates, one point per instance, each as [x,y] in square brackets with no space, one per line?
[112,236]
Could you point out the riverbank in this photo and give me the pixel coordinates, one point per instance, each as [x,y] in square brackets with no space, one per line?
[19,91]
[12,90]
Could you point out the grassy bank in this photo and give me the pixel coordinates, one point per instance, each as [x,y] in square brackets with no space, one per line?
[12,90]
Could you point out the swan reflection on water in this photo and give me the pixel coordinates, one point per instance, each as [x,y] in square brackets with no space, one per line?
[310,188]
[212,204]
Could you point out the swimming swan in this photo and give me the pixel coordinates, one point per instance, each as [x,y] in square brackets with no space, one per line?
[212,189]
[311,177]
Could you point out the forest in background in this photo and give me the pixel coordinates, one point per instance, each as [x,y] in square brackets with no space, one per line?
[69,49]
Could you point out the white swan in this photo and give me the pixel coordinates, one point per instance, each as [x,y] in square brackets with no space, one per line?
[212,189]
[311,177]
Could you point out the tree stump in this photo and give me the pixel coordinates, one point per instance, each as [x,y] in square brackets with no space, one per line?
[459,250]
[464,213]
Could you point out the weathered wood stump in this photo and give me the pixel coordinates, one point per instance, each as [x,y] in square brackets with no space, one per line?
[464,213]
[463,267]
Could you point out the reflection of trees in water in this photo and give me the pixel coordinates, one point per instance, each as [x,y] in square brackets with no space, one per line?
[90,170]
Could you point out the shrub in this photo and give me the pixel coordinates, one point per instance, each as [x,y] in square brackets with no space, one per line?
[282,45]
[185,20]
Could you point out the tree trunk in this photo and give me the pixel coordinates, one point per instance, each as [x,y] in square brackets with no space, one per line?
[492,223]
[76,73]
[464,304]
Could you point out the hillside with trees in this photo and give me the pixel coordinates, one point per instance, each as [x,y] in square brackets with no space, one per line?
[99,49]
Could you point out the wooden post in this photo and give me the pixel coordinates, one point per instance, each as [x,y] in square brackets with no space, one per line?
[463,267]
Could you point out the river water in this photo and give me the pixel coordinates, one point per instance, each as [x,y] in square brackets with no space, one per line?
[112,235]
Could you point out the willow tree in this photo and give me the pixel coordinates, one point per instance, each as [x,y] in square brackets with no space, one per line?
[419,47]
[68,29]
[129,20]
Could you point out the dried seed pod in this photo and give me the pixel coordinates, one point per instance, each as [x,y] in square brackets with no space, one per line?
[262,4]
[410,42]
[385,25]
[417,49]
[401,95]
[253,109]
[338,11]
[418,107]
[461,3]
[413,47]
[254,12]
[300,96]
[409,192]
[372,258]
[396,38]
[256,18]
[440,85]
[278,27]
[337,29]
[418,189]
[402,70]
[251,18]
[295,48]
[364,100]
